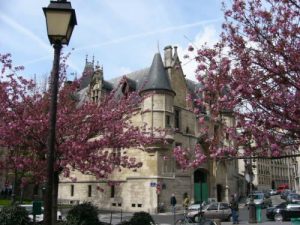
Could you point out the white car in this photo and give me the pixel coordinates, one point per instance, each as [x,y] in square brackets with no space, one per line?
[40,217]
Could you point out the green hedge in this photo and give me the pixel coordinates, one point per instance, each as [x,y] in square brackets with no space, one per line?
[14,215]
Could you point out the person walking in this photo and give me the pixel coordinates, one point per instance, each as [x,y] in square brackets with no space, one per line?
[234,205]
[186,202]
[173,202]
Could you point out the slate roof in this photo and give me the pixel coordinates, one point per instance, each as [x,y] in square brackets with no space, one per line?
[87,75]
[157,78]
[136,79]
[147,79]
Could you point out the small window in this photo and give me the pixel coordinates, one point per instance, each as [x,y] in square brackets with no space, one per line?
[119,204]
[187,130]
[132,205]
[90,191]
[72,190]
[227,136]
[112,191]
[114,204]
[140,205]
[178,144]
[168,121]
[177,118]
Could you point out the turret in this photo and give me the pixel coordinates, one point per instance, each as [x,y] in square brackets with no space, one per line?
[158,105]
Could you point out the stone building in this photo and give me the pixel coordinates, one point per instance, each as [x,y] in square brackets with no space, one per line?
[151,186]
[270,173]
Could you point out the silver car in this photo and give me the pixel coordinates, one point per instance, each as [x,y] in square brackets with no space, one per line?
[259,198]
[214,210]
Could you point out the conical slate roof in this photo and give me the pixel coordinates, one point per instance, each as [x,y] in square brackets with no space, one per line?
[157,78]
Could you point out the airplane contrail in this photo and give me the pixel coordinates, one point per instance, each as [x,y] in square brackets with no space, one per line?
[145,34]
[34,37]
[21,29]
[24,31]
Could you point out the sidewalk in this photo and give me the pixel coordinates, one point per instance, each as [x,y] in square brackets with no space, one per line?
[263,223]
[116,218]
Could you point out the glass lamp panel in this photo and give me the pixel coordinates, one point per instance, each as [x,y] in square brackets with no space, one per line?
[58,24]
[68,37]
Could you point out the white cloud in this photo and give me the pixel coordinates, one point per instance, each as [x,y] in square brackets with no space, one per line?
[124,70]
[121,34]
[209,37]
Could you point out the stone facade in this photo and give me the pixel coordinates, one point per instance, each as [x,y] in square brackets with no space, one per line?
[151,186]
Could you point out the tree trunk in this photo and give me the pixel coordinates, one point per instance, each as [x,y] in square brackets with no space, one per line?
[55,196]
[14,189]
[22,195]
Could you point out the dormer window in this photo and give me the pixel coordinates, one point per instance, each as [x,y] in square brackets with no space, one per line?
[125,88]
[128,86]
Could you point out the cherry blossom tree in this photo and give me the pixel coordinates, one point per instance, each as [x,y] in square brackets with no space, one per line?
[253,75]
[87,135]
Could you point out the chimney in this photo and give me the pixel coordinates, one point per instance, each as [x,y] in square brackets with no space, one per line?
[168,56]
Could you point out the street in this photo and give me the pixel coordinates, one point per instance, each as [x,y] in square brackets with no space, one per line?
[168,218]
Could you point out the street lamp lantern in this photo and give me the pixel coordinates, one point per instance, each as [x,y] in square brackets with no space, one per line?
[60,20]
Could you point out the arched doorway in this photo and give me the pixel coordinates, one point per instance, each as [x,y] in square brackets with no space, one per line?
[273,184]
[219,192]
[200,186]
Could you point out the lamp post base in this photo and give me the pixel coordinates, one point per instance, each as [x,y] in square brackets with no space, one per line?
[252,213]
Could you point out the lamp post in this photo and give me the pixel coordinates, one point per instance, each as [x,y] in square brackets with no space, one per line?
[249,176]
[60,20]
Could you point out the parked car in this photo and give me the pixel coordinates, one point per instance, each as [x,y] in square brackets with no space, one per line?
[293,197]
[282,187]
[273,192]
[285,193]
[259,198]
[283,211]
[40,217]
[214,210]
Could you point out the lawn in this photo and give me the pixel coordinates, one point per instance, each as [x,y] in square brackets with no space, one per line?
[6,202]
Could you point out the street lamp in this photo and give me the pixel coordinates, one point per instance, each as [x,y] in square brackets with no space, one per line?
[60,20]
[249,176]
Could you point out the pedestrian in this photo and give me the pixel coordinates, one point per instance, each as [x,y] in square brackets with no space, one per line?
[234,205]
[186,202]
[173,202]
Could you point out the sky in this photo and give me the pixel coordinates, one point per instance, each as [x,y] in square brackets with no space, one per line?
[122,35]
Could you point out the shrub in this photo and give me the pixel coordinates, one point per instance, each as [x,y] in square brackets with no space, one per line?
[139,218]
[14,215]
[83,214]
